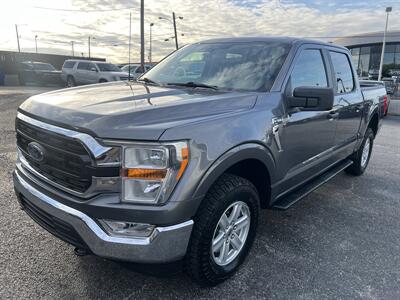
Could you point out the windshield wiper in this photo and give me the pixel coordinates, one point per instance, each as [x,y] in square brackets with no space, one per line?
[195,85]
[147,80]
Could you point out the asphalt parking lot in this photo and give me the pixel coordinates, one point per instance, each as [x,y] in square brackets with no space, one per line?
[342,241]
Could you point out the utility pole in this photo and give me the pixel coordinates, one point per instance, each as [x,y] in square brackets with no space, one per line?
[72,45]
[388,10]
[176,35]
[129,46]
[16,30]
[150,48]
[142,34]
[89,45]
[36,43]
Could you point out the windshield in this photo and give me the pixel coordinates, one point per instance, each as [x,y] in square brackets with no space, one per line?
[43,67]
[126,68]
[108,67]
[237,66]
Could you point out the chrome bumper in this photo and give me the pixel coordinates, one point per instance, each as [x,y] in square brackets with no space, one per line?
[163,245]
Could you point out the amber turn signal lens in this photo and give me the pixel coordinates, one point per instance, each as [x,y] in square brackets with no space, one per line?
[185,160]
[146,173]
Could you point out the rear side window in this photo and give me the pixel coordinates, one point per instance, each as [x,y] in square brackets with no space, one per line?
[69,64]
[309,70]
[343,73]
[83,65]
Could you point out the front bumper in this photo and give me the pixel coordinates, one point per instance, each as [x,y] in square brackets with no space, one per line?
[165,244]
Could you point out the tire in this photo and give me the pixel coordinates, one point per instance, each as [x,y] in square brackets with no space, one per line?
[102,81]
[205,266]
[360,162]
[70,81]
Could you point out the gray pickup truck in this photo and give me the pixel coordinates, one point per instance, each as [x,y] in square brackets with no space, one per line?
[178,164]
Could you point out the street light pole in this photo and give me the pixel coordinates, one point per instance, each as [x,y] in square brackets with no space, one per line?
[176,35]
[89,45]
[36,43]
[16,30]
[129,46]
[142,34]
[388,10]
[150,48]
[72,45]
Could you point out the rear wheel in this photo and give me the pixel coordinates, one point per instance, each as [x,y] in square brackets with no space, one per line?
[70,81]
[102,80]
[224,230]
[362,156]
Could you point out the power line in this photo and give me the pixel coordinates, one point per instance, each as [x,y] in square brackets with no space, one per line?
[79,10]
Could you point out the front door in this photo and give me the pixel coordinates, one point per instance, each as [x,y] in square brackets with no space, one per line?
[92,74]
[307,137]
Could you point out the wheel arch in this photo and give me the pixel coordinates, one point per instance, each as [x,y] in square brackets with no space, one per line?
[253,162]
[373,122]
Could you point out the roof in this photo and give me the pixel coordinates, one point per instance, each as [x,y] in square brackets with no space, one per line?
[368,38]
[283,39]
[86,60]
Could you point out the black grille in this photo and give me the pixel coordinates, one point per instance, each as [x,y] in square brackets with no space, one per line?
[66,161]
[52,224]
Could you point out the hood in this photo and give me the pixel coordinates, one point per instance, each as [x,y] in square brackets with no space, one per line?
[122,110]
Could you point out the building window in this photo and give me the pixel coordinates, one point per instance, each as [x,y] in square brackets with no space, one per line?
[355,57]
[364,61]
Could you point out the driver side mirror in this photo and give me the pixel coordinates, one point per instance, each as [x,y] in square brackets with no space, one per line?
[312,98]
[93,69]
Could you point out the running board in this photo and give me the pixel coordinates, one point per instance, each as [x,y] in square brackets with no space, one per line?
[298,194]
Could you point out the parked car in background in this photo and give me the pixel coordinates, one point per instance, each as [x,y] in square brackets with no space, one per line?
[77,72]
[390,84]
[385,100]
[373,74]
[136,70]
[38,73]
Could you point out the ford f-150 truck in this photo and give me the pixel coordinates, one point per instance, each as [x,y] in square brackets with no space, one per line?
[177,165]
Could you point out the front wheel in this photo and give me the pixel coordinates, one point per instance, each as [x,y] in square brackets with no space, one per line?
[362,156]
[70,81]
[224,230]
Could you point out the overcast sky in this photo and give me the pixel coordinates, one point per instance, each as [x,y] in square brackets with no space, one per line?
[57,23]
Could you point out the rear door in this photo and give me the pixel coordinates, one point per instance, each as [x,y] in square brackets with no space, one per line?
[348,103]
[82,72]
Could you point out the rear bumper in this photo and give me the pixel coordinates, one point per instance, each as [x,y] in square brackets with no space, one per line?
[73,226]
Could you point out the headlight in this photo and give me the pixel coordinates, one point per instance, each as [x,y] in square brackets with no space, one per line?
[150,172]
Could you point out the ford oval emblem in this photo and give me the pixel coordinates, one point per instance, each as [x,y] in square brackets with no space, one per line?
[36,151]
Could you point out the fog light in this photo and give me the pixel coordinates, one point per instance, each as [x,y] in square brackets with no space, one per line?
[127,229]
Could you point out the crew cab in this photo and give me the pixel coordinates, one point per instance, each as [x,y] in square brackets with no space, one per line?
[178,164]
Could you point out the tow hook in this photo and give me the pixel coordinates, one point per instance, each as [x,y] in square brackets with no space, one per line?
[80,252]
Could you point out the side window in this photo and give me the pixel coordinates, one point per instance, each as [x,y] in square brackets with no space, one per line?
[139,70]
[343,73]
[69,64]
[83,65]
[91,67]
[309,70]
